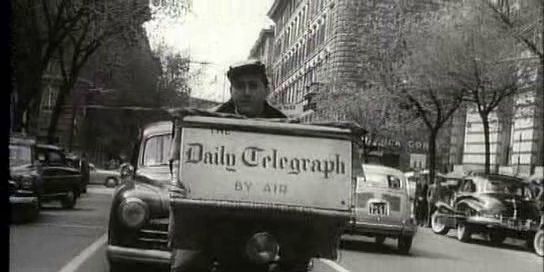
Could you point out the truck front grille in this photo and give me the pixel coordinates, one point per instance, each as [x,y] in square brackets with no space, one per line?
[154,235]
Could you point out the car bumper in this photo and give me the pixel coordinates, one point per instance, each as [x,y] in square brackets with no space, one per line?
[137,255]
[23,201]
[493,223]
[382,229]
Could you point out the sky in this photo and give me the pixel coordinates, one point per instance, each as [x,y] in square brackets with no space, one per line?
[218,32]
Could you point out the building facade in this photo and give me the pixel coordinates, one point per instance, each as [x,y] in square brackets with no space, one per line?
[320,45]
[263,47]
[515,136]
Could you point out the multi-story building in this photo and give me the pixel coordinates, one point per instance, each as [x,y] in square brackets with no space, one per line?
[321,45]
[263,47]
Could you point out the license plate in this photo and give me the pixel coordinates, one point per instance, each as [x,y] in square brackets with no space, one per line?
[378,208]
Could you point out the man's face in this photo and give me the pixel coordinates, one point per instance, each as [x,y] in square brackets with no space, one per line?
[248,93]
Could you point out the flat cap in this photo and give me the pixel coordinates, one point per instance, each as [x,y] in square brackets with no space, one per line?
[251,66]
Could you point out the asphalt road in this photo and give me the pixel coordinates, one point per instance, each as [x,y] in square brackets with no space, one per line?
[74,240]
[59,235]
[431,252]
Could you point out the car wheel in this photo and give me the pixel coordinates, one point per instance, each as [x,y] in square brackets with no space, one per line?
[437,225]
[69,200]
[404,244]
[379,240]
[496,238]
[538,243]
[111,182]
[463,232]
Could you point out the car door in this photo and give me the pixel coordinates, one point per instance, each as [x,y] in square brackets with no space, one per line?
[61,177]
[48,173]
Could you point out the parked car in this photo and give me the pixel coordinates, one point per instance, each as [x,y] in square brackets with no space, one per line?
[109,178]
[45,167]
[538,243]
[138,225]
[383,207]
[497,206]
[536,184]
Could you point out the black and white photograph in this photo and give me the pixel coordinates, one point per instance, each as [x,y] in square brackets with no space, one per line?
[275,135]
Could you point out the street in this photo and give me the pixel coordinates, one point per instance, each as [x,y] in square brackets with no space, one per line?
[74,240]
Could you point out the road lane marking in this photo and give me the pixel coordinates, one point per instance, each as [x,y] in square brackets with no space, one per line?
[334,265]
[78,260]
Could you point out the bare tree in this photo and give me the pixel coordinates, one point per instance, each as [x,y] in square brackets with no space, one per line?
[371,107]
[524,20]
[482,64]
[97,23]
[411,70]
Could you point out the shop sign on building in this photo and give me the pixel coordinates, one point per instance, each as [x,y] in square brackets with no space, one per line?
[291,110]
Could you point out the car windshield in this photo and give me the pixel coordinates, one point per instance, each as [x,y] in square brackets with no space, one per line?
[505,187]
[156,150]
[382,180]
[19,155]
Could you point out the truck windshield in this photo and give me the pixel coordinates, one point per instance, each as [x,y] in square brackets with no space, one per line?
[19,155]
[156,150]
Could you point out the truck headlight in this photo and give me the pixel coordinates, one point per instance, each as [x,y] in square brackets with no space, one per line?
[133,212]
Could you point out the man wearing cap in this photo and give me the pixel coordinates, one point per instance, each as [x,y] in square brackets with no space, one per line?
[249,89]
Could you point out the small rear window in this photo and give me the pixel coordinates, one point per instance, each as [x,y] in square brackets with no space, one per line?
[382,180]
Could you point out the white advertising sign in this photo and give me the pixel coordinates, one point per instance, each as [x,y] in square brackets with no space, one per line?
[291,110]
[266,168]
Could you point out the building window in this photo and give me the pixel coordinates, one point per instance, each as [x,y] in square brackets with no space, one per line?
[49,98]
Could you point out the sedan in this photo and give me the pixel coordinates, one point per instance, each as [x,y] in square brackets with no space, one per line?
[383,209]
[110,178]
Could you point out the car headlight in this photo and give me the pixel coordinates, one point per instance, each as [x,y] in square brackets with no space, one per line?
[133,212]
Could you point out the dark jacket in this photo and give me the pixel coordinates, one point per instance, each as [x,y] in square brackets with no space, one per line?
[269,111]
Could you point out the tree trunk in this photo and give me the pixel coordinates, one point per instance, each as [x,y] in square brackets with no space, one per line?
[433,134]
[72,127]
[432,154]
[485,123]
[57,111]
[540,92]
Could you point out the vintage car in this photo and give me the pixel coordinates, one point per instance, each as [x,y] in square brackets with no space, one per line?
[498,206]
[23,197]
[383,207]
[538,243]
[109,178]
[138,224]
[45,167]
[256,194]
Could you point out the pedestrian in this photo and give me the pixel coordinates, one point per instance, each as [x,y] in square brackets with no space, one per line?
[421,201]
[249,89]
